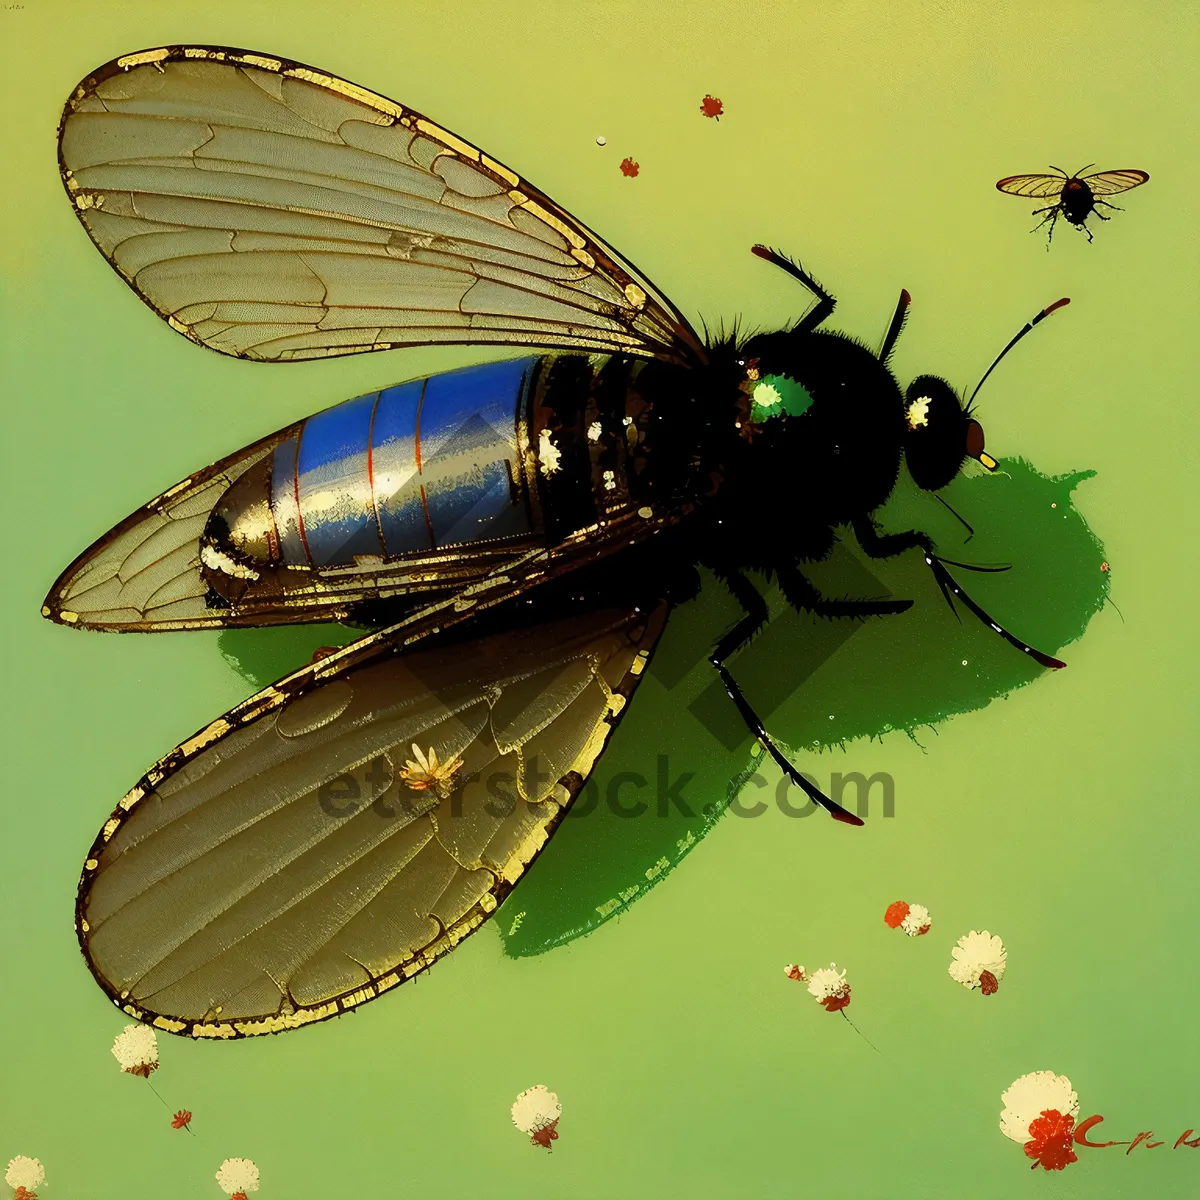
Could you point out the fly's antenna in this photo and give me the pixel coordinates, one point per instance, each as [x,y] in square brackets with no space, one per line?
[1040,317]
[899,317]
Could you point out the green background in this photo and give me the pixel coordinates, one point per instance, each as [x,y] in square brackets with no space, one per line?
[864,138]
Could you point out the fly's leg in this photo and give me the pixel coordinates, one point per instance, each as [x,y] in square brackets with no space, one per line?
[801,595]
[1052,216]
[756,617]
[1105,203]
[822,310]
[886,545]
[898,319]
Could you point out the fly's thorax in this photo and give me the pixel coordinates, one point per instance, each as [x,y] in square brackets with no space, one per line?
[826,426]
[1077,201]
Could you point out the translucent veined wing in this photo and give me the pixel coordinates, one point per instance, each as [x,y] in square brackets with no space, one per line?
[145,574]
[274,212]
[340,831]
[1109,183]
[1039,187]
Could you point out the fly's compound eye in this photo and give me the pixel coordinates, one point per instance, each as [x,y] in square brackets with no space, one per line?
[975,445]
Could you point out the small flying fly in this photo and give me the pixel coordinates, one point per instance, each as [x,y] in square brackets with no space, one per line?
[512,536]
[1076,197]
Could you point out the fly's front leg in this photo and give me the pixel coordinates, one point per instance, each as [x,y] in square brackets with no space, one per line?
[885,545]
[825,302]
[756,617]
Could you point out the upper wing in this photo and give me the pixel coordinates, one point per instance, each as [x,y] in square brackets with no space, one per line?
[1108,183]
[274,212]
[297,858]
[1039,187]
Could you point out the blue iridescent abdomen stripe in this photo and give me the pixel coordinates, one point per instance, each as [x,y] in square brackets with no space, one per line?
[335,485]
[412,468]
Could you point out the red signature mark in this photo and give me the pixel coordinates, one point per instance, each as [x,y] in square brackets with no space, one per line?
[1142,1139]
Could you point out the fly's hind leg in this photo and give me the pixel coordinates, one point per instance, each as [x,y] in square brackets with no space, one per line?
[756,617]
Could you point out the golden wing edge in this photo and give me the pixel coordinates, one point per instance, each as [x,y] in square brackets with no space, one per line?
[418,627]
[688,348]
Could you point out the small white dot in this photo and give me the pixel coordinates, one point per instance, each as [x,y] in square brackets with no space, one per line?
[602,140]
[831,716]
[964,662]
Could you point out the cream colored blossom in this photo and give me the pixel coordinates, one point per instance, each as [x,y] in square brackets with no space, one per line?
[976,955]
[917,921]
[829,988]
[535,1108]
[1030,1096]
[237,1176]
[136,1049]
[23,1172]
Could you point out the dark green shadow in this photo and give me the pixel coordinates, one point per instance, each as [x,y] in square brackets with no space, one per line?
[681,753]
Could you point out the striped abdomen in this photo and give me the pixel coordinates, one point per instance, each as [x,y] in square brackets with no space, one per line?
[432,463]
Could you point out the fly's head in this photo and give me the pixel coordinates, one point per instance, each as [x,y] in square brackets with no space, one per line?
[939,433]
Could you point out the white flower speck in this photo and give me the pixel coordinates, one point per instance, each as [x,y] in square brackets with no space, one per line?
[918,920]
[23,1172]
[1032,1095]
[549,454]
[218,560]
[980,960]
[536,1111]
[595,429]
[424,772]
[828,987]
[766,396]
[237,1176]
[795,971]
[918,412]
[136,1049]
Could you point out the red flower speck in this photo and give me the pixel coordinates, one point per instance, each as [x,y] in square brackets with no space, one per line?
[24,1194]
[834,1003]
[181,1120]
[988,983]
[1050,1144]
[895,914]
[710,106]
[629,167]
[545,1135]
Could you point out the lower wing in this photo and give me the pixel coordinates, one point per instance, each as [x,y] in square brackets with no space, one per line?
[339,832]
